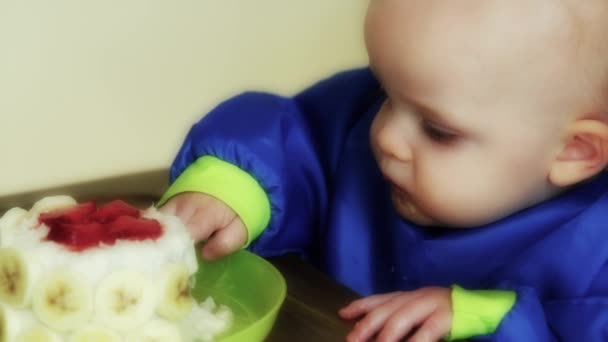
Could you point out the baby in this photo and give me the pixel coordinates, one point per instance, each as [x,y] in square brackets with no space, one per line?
[459,185]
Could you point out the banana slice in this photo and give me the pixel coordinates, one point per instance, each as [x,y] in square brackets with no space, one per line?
[125,300]
[157,330]
[10,223]
[18,274]
[51,203]
[94,333]
[13,321]
[63,301]
[175,299]
[38,333]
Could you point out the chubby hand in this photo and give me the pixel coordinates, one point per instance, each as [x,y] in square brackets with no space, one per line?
[208,219]
[421,315]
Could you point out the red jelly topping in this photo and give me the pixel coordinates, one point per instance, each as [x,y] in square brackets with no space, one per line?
[85,225]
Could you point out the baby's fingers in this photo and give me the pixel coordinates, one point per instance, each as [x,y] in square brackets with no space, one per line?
[182,206]
[203,223]
[169,208]
[436,327]
[405,320]
[226,240]
[365,305]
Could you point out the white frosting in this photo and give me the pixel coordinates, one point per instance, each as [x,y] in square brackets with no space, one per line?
[148,256]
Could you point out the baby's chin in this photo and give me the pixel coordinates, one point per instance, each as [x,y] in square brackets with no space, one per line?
[412,212]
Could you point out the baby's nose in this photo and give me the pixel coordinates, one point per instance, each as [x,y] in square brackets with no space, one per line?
[395,145]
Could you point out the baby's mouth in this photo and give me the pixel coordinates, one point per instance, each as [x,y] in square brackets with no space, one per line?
[403,199]
[406,207]
[404,203]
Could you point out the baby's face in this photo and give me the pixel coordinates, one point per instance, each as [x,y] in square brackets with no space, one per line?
[477,101]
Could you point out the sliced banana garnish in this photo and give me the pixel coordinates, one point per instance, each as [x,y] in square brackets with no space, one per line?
[63,301]
[94,333]
[17,277]
[38,333]
[175,298]
[157,330]
[13,321]
[125,300]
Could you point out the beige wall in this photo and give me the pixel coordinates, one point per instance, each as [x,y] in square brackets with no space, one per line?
[93,89]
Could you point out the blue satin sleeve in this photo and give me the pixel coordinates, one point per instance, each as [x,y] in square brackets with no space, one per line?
[583,318]
[290,145]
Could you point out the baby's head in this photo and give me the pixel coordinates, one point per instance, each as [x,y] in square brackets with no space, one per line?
[492,105]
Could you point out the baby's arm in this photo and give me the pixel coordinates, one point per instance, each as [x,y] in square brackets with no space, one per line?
[286,147]
[423,315]
[219,203]
[428,314]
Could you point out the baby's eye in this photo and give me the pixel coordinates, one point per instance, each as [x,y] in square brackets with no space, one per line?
[438,133]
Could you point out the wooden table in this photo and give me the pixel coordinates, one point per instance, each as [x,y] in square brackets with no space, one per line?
[309,312]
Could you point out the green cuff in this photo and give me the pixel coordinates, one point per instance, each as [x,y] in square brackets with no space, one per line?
[230,184]
[478,312]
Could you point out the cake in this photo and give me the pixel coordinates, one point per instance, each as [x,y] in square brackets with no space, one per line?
[81,272]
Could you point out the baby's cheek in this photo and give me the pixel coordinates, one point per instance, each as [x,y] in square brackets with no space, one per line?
[459,202]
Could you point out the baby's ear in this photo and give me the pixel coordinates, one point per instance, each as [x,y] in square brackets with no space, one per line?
[584,153]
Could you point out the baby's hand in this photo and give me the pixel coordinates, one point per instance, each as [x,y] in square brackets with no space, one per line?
[423,315]
[208,219]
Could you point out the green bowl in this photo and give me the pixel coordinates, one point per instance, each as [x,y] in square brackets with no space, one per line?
[250,286]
